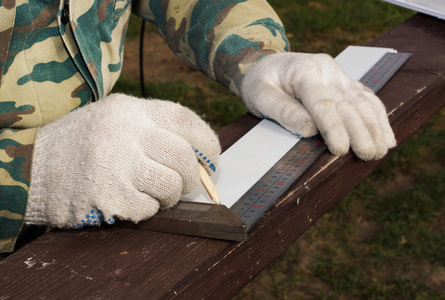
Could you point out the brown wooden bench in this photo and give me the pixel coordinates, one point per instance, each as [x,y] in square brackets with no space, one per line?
[116,262]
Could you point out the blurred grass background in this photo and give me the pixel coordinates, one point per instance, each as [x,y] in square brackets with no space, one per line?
[386,238]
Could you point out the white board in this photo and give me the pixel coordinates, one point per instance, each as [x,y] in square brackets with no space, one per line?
[434,8]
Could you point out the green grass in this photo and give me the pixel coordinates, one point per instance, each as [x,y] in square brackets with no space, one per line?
[328,25]
[386,238]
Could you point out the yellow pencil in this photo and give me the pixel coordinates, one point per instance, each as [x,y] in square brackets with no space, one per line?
[208,185]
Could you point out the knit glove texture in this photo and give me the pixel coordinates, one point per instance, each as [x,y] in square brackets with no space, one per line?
[310,93]
[121,157]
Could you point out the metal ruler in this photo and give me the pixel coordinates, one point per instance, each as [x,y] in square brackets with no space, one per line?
[266,192]
[383,70]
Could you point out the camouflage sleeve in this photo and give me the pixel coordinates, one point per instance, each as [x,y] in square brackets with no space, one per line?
[16,147]
[15,150]
[221,38]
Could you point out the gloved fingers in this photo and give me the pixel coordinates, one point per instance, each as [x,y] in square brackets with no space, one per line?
[347,124]
[187,124]
[330,126]
[159,182]
[276,104]
[373,125]
[364,133]
[382,119]
[390,139]
[136,207]
[175,153]
[266,94]
[373,113]
[362,115]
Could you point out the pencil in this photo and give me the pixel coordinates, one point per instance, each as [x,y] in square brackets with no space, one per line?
[208,185]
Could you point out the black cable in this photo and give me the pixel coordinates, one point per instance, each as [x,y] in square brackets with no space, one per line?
[141,59]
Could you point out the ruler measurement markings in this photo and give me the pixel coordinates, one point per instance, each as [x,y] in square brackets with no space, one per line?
[274,183]
[383,70]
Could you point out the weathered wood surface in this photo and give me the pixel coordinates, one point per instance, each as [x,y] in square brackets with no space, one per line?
[114,263]
[196,219]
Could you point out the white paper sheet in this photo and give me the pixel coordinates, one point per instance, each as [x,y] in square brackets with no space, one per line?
[256,152]
[246,162]
[434,8]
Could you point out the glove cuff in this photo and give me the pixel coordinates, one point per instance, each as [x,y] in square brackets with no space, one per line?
[37,212]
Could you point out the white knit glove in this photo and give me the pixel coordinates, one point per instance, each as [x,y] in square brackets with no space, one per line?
[346,113]
[120,157]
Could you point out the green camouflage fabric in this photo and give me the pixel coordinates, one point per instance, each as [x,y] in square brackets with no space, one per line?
[58,55]
[222,38]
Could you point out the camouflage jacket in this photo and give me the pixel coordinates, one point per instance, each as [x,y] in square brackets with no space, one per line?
[58,55]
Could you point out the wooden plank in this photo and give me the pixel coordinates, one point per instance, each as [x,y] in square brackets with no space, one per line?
[115,262]
[196,219]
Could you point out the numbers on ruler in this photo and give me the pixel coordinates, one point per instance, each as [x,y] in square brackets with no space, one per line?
[271,186]
[384,69]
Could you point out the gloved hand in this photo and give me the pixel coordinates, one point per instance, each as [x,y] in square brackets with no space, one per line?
[346,113]
[120,157]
